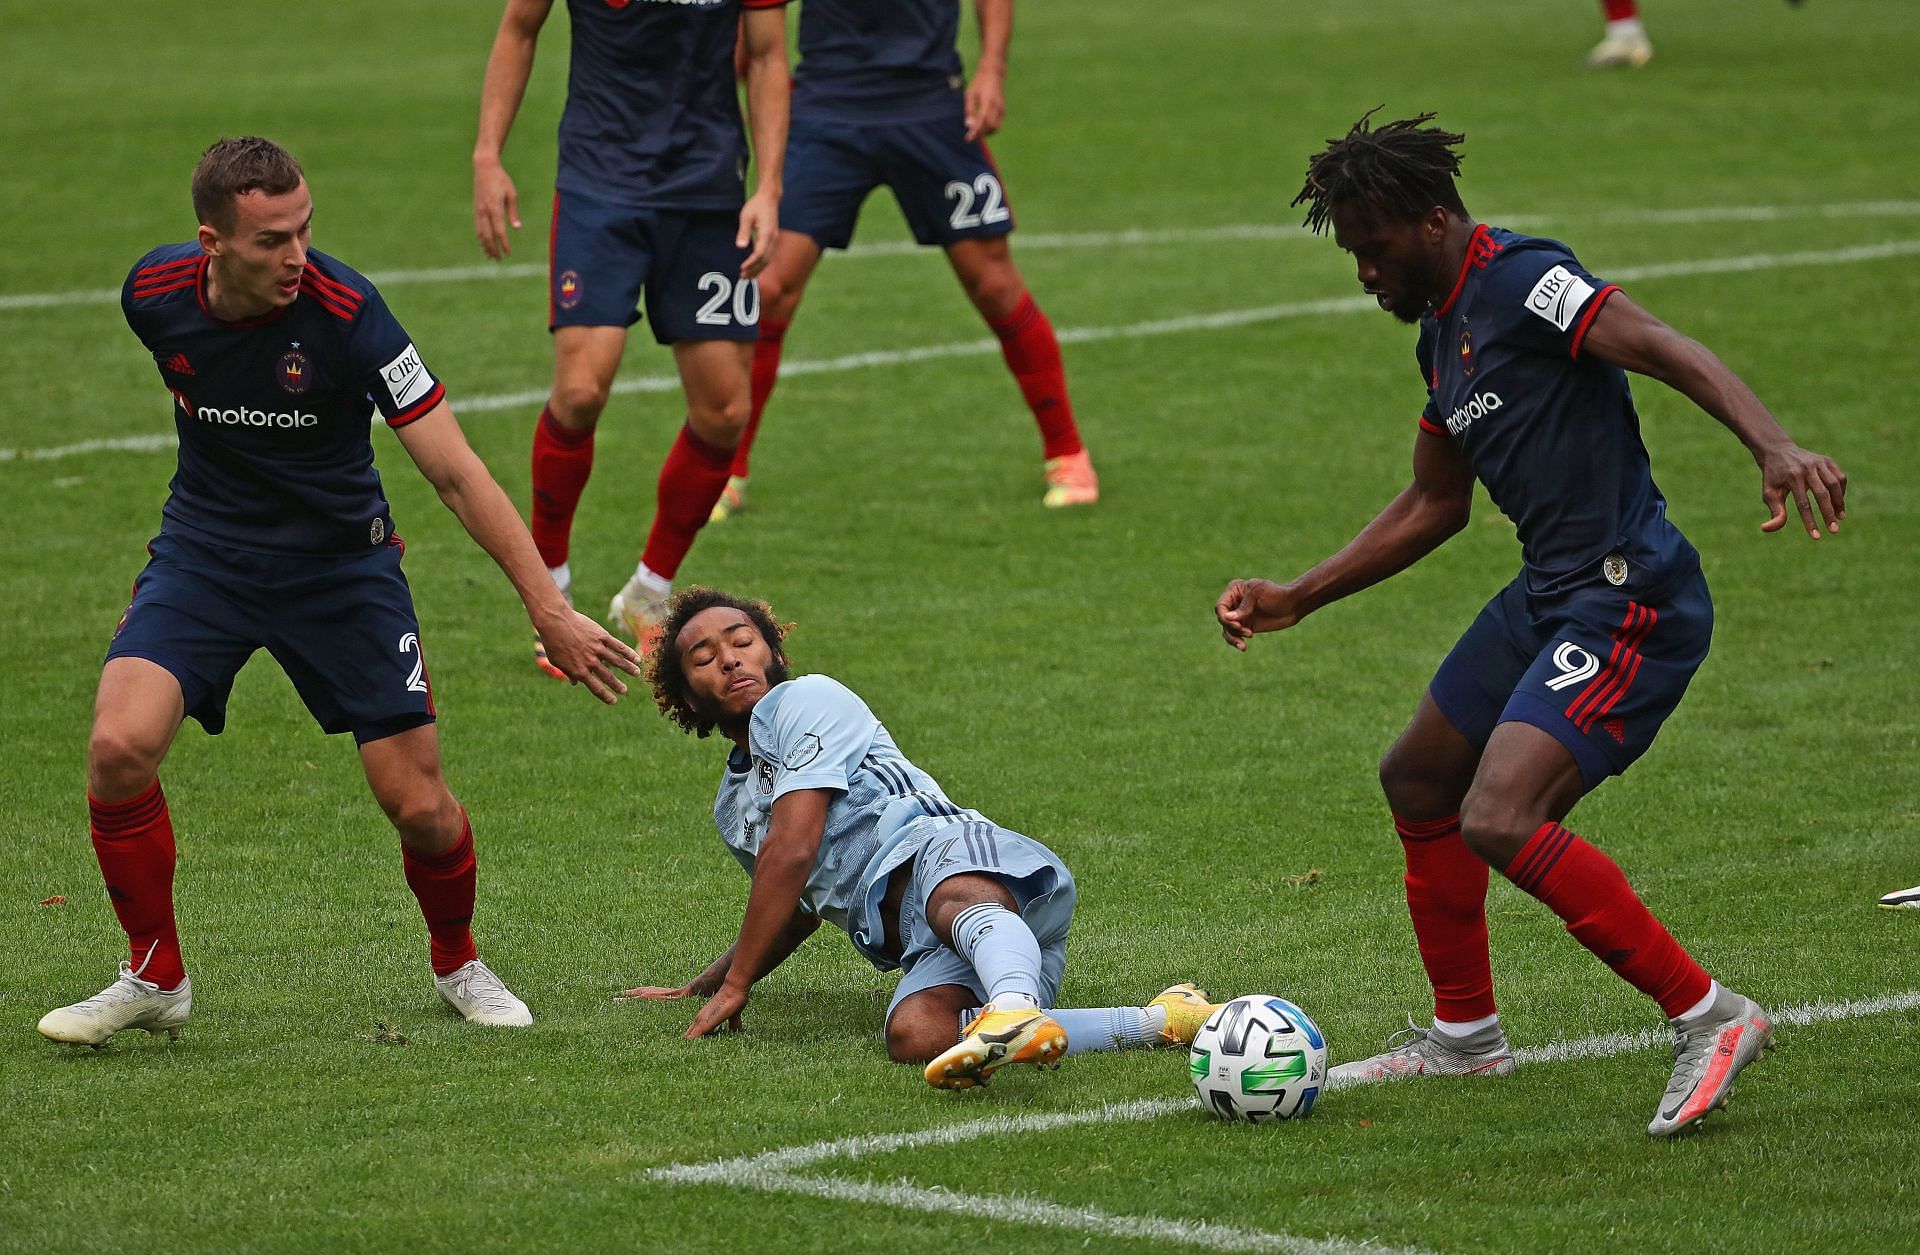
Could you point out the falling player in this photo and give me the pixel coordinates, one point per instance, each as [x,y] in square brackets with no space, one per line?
[831,821]
[276,535]
[1568,673]
[878,99]
[650,196]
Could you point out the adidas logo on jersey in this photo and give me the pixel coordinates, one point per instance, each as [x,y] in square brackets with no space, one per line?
[179,364]
[1480,406]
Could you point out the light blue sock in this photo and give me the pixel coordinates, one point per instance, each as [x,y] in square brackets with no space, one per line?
[1003,951]
[1109,1028]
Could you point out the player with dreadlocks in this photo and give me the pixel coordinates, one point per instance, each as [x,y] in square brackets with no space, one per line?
[1568,673]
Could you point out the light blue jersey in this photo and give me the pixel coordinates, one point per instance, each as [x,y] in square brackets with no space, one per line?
[815,733]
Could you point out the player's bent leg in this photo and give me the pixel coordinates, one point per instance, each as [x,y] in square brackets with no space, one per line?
[586,360]
[1032,352]
[782,283]
[137,712]
[1425,775]
[927,1023]
[714,376]
[436,844]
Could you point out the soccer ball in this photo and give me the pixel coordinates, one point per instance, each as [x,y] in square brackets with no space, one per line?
[1258,1058]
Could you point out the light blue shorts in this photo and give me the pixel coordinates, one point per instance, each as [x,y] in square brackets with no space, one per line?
[1042,888]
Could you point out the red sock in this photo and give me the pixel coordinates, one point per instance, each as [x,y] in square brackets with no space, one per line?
[134,842]
[1586,889]
[444,886]
[1447,897]
[562,460]
[1620,10]
[1033,355]
[691,480]
[766,369]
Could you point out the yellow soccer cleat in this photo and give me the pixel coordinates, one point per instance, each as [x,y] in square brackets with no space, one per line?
[1187,1009]
[733,499]
[1071,481]
[995,1039]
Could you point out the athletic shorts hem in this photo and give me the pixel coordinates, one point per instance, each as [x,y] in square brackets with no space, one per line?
[194,690]
[1593,762]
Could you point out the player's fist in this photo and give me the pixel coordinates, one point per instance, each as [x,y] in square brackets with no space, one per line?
[1249,606]
[986,104]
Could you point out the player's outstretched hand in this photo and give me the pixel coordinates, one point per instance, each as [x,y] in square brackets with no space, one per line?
[1811,480]
[760,226]
[586,653]
[655,993]
[723,1008]
[1249,606]
[986,105]
[496,203]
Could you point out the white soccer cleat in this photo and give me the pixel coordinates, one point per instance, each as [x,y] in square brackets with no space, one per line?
[127,1003]
[1903,900]
[1628,51]
[1416,1051]
[481,997]
[1707,1055]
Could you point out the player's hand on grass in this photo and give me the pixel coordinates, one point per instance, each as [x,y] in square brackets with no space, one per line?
[722,1009]
[986,104]
[586,653]
[496,204]
[759,226]
[655,993]
[1812,480]
[1249,606]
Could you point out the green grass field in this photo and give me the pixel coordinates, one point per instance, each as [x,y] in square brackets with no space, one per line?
[1759,186]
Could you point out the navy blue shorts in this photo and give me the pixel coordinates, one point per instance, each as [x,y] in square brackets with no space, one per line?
[948,187]
[1598,670]
[604,255]
[343,629]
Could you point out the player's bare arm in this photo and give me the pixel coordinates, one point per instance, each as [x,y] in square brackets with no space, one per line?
[780,871]
[584,650]
[496,202]
[801,926]
[986,88]
[1428,511]
[763,35]
[1633,339]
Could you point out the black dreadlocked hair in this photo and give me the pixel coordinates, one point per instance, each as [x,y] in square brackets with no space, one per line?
[664,674]
[1398,170]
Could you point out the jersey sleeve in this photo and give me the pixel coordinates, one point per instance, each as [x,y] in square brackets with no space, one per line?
[816,737]
[1547,299]
[382,357]
[1430,420]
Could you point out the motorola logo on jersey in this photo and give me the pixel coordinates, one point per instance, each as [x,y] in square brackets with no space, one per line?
[1480,406]
[245,416]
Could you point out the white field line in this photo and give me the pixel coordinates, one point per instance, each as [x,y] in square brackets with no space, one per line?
[778,1171]
[1134,238]
[1069,335]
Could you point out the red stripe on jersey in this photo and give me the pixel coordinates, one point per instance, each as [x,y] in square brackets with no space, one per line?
[159,289]
[326,302]
[1586,320]
[553,234]
[420,408]
[333,287]
[1480,250]
[764,4]
[171,267]
[1428,425]
[1618,677]
[1594,685]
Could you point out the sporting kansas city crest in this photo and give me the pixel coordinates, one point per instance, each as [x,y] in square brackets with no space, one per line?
[293,370]
[763,774]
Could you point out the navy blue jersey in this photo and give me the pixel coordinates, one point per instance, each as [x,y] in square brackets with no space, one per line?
[274,412]
[653,113]
[1553,435]
[878,60]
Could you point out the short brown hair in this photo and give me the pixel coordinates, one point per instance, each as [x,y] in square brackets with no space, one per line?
[664,673]
[234,167]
